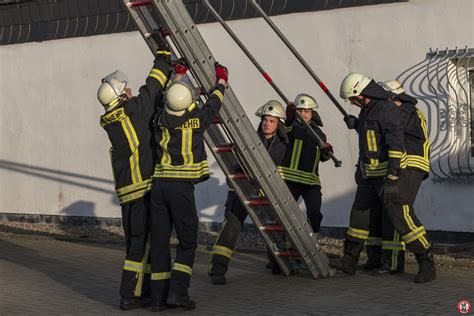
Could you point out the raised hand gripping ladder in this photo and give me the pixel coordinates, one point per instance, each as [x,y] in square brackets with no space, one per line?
[235,143]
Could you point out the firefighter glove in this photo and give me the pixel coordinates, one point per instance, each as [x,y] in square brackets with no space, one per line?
[290,111]
[180,67]
[391,190]
[327,149]
[222,73]
[351,121]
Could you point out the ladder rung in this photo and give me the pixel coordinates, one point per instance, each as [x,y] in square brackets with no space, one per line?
[287,253]
[273,229]
[239,176]
[257,202]
[138,3]
[216,120]
[224,149]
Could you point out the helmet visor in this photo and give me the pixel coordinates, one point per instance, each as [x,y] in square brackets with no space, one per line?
[111,79]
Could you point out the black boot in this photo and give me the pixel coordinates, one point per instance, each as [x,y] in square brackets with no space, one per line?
[218,279]
[370,266]
[427,271]
[127,303]
[180,301]
[348,263]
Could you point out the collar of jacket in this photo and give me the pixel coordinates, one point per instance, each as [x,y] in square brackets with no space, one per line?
[405,98]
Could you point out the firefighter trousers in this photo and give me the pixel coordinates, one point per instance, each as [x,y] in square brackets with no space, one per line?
[235,215]
[393,254]
[136,271]
[368,200]
[312,199]
[172,205]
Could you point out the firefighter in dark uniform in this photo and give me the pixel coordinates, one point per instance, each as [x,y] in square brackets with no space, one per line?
[417,147]
[300,166]
[127,122]
[181,163]
[273,136]
[381,179]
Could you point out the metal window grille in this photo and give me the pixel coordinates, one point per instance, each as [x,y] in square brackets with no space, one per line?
[443,83]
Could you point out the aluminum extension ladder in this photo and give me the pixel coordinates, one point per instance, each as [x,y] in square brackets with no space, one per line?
[234,143]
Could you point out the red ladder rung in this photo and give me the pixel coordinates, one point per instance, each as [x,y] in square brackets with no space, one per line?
[224,149]
[273,229]
[138,3]
[239,176]
[287,253]
[258,202]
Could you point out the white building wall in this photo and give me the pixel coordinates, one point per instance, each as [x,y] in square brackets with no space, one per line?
[54,155]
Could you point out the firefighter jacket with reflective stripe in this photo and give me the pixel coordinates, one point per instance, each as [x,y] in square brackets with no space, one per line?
[301,161]
[381,142]
[181,154]
[276,146]
[129,129]
[417,144]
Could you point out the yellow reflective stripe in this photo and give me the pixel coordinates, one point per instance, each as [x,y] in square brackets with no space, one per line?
[374,241]
[133,196]
[298,176]
[183,268]
[424,126]
[416,232]
[376,166]
[374,169]
[187,146]
[141,274]
[190,171]
[158,75]
[418,162]
[316,159]
[223,251]
[296,153]
[218,94]
[133,187]
[165,139]
[394,260]
[288,129]
[133,266]
[188,167]
[163,52]
[414,235]
[160,276]
[133,143]
[181,174]
[395,154]
[407,217]
[371,141]
[358,233]
[191,107]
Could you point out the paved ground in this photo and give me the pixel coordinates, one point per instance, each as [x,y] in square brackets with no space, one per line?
[62,278]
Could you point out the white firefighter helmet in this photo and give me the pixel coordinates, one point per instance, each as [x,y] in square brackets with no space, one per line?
[178,97]
[305,101]
[112,89]
[353,84]
[272,108]
[393,86]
